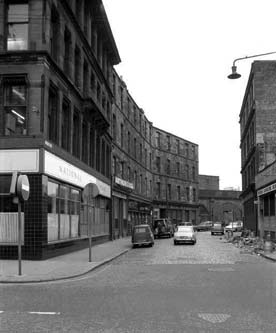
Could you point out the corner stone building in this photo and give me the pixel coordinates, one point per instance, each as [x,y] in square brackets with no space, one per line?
[66,120]
[56,65]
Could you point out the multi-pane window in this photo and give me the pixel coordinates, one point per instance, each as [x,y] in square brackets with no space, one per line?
[63,212]
[92,147]
[15,102]
[141,153]
[76,134]
[77,67]
[178,193]
[122,135]
[114,166]
[177,146]
[65,125]
[168,142]
[17,25]
[128,142]
[158,166]
[187,149]
[158,140]
[53,120]
[194,195]
[269,205]
[169,192]
[177,168]
[114,127]
[158,190]
[54,34]
[84,141]
[168,166]
[67,51]
[188,194]
[187,171]
[194,172]
[134,148]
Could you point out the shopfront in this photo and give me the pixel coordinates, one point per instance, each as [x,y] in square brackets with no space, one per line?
[267,211]
[55,220]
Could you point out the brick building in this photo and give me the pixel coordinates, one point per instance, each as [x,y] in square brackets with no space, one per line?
[258,135]
[216,204]
[56,65]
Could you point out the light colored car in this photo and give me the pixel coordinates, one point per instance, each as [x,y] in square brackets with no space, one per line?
[234,226]
[184,234]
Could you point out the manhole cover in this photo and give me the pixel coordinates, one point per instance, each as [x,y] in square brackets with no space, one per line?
[221,269]
[214,317]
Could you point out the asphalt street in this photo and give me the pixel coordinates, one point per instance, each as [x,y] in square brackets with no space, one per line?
[212,286]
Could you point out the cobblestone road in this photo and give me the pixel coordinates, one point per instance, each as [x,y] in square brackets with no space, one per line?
[208,250]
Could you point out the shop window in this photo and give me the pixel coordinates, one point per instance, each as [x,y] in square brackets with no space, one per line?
[15,102]
[53,120]
[169,192]
[63,212]
[17,25]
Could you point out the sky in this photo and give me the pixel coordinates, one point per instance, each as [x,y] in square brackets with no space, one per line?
[175,58]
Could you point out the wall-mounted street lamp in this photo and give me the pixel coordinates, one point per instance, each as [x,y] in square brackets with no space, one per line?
[234,74]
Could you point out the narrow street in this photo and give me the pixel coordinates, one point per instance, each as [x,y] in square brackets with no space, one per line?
[211,286]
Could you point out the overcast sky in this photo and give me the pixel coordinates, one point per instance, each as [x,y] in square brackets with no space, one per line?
[176,56]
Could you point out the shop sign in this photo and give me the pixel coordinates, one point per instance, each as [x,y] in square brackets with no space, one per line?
[22,160]
[124,183]
[267,189]
[60,169]
[133,205]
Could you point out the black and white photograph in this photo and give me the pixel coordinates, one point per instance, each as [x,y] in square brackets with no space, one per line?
[137,166]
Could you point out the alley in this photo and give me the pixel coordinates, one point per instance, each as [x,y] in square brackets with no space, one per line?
[211,286]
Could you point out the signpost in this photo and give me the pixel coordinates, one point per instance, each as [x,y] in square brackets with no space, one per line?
[89,194]
[20,189]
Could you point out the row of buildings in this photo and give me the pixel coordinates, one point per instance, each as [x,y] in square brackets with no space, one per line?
[67,119]
[258,149]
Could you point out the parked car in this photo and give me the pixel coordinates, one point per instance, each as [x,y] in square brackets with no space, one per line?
[217,228]
[234,226]
[204,226]
[184,234]
[142,235]
[162,227]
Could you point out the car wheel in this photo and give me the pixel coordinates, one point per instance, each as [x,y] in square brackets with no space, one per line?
[133,246]
[150,245]
[175,242]
[212,234]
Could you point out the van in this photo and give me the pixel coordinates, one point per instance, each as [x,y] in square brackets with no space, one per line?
[162,227]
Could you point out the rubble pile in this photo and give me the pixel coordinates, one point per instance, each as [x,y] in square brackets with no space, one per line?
[248,242]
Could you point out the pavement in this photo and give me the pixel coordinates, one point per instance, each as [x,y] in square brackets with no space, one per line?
[65,266]
[268,255]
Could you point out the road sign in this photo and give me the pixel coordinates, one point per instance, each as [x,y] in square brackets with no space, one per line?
[23,187]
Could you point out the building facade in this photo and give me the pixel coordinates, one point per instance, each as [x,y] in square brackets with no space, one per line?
[56,65]
[175,177]
[216,204]
[258,135]
[67,120]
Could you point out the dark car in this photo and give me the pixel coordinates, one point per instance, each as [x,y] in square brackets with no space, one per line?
[204,226]
[142,235]
[162,227]
[217,228]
